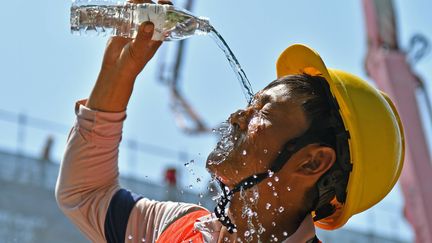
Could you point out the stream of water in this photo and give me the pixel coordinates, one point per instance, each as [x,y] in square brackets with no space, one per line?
[235,65]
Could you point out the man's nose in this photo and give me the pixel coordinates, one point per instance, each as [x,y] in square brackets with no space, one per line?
[241,118]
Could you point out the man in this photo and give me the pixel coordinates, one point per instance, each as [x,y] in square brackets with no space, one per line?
[317,145]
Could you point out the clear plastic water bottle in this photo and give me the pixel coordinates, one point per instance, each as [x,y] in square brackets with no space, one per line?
[89,17]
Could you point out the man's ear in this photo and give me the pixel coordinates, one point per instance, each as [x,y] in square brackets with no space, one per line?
[320,159]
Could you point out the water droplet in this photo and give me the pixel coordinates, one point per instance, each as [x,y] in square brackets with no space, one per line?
[198,179]
[268,205]
[273,224]
[244,152]
[270,173]
[201,195]
[275,239]
[254,176]
[187,164]
[265,151]
[276,178]
[190,186]
[285,233]
[261,229]
[181,191]
[142,240]
[275,194]
[213,130]
[288,188]
[236,171]
[281,209]
[130,237]
[246,233]
[269,183]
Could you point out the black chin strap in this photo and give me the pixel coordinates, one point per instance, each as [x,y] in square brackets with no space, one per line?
[291,147]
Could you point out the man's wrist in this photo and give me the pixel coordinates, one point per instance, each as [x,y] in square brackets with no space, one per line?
[111,92]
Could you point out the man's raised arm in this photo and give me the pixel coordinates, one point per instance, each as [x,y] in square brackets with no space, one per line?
[88,176]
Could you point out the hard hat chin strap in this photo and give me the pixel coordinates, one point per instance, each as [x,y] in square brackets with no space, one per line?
[312,135]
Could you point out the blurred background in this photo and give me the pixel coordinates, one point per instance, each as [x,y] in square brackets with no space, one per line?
[45,70]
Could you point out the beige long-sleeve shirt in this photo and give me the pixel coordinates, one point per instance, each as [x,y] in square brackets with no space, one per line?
[88,180]
[88,190]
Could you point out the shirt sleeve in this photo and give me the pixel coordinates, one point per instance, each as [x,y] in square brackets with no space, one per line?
[88,176]
[88,190]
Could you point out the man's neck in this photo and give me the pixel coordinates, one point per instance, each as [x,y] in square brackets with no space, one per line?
[261,220]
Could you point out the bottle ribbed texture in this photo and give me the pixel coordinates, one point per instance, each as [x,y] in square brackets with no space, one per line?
[123,19]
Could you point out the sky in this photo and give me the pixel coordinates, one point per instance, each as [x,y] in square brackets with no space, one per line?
[44,70]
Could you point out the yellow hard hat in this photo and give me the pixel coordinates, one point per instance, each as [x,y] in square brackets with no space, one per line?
[376,142]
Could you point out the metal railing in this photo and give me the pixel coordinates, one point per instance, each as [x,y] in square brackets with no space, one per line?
[24,122]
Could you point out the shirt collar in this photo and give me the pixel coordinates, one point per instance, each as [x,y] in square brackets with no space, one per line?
[210,227]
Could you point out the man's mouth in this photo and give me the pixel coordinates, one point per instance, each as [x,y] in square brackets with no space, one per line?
[227,142]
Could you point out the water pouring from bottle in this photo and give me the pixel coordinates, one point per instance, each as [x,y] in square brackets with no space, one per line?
[171,23]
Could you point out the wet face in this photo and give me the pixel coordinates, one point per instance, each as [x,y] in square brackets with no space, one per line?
[254,136]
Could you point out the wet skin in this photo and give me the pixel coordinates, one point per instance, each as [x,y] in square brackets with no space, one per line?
[261,130]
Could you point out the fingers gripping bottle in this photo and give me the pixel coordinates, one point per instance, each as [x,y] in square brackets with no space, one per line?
[123,19]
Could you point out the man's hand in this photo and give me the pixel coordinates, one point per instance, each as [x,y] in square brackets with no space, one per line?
[124,59]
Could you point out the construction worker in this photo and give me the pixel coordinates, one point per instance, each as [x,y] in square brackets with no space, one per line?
[315,147]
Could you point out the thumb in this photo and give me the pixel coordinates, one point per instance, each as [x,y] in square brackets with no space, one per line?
[142,48]
[143,41]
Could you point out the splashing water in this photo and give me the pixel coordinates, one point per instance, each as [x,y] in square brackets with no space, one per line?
[235,65]
[268,205]
[270,173]
[250,200]
[187,164]
[225,144]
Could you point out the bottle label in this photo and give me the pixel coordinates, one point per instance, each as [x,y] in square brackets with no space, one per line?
[156,14]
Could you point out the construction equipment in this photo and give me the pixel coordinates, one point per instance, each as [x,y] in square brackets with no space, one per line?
[388,66]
